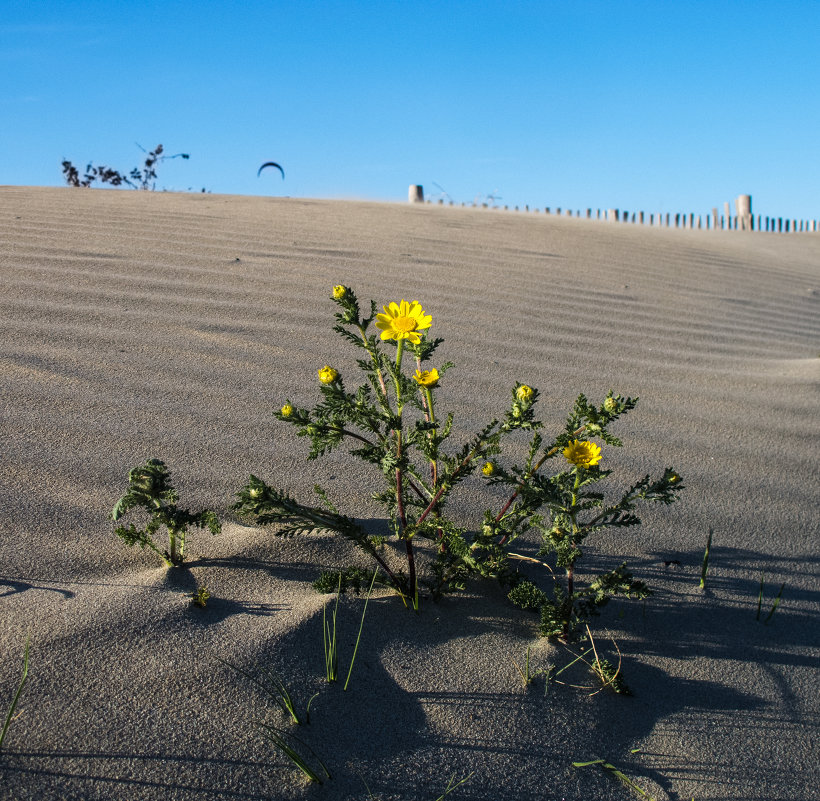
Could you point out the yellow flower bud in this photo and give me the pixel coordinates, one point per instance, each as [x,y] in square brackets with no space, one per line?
[327,375]
[488,469]
[610,404]
[524,393]
[287,410]
[339,291]
[427,378]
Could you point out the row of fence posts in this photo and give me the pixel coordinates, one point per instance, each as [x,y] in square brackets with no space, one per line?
[742,220]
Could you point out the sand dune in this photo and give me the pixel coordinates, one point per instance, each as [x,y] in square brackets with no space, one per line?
[141,324]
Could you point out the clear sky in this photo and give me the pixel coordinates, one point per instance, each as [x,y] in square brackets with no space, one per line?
[656,105]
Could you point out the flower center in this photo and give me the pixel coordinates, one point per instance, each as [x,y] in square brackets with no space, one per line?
[404,324]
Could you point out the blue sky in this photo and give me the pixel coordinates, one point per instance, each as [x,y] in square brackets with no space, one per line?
[662,106]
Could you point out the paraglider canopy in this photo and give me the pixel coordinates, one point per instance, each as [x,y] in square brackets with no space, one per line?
[271,164]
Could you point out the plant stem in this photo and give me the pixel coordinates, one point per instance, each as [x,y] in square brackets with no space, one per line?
[375,361]
[408,545]
[354,435]
[432,505]
[175,558]
[431,418]
[547,455]
[705,568]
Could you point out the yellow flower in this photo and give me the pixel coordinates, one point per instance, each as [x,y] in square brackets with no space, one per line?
[427,378]
[524,393]
[403,321]
[488,469]
[582,453]
[287,410]
[327,375]
[339,291]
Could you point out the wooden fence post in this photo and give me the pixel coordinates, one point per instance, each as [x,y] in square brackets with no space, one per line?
[415,194]
[743,206]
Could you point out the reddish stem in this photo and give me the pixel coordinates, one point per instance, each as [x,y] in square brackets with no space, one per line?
[550,452]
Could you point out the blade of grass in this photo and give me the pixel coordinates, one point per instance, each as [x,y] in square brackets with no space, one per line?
[618,774]
[278,739]
[705,569]
[760,596]
[775,604]
[307,711]
[14,700]
[361,624]
[451,786]
[329,637]
[278,692]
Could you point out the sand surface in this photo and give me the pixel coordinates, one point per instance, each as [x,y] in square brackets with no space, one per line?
[138,324]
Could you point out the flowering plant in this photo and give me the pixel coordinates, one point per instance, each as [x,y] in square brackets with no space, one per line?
[391,422]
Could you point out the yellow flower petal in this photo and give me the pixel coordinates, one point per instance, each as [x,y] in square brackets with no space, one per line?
[582,453]
[403,320]
[427,378]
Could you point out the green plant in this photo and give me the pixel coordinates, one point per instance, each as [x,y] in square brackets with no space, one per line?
[617,774]
[392,424]
[283,741]
[574,513]
[13,705]
[349,578]
[775,604]
[359,635]
[273,686]
[144,178]
[526,675]
[329,638]
[200,597]
[150,488]
[705,568]
[452,784]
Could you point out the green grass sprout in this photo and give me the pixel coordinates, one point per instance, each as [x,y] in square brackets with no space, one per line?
[359,636]
[273,687]
[10,715]
[307,709]
[528,675]
[450,786]
[618,774]
[705,569]
[281,740]
[760,595]
[329,638]
[775,604]
[370,795]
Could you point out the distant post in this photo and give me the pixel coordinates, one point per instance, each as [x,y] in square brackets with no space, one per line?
[612,215]
[743,205]
[714,218]
[727,213]
[415,194]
